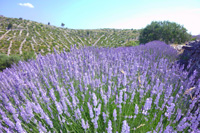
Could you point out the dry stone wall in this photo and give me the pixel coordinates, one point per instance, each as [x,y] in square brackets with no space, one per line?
[191,57]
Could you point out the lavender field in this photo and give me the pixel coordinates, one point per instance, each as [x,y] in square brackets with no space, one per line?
[126,89]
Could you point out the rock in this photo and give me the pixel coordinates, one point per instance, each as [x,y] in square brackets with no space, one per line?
[191,54]
[179,47]
[188,48]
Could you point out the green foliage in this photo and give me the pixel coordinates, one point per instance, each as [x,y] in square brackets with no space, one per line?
[132,43]
[62,24]
[193,39]
[9,26]
[28,55]
[169,32]
[7,61]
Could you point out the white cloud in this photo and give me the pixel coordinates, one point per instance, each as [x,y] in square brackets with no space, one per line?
[26,5]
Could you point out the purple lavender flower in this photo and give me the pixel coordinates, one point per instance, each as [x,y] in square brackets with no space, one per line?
[109,129]
[36,108]
[1,127]
[168,129]
[136,109]
[178,115]
[68,102]
[168,91]
[63,104]
[15,117]
[74,101]
[125,127]
[10,108]
[125,97]
[4,98]
[194,125]
[49,122]
[115,114]
[105,99]
[141,93]
[34,98]
[110,73]
[120,97]
[94,99]
[169,112]
[147,105]
[59,107]
[26,82]
[84,125]
[157,99]
[41,127]
[51,94]
[95,122]
[124,80]
[77,113]
[22,95]
[16,99]
[104,117]
[8,122]
[183,124]
[132,96]
[98,110]
[90,110]
[29,110]
[23,113]
[109,92]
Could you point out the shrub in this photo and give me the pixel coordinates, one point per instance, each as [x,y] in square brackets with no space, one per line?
[9,26]
[28,55]
[7,61]
[166,31]
[132,43]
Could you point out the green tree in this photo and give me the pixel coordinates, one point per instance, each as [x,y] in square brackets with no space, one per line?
[62,24]
[9,26]
[166,31]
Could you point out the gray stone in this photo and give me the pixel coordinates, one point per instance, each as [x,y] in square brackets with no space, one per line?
[191,54]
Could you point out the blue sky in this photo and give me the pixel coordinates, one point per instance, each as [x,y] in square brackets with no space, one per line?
[93,14]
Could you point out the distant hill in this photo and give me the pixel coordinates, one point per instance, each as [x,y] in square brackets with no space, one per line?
[26,35]
[197,37]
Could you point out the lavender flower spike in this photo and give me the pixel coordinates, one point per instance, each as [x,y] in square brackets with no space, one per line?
[59,108]
[147,105]
[94,99]
[136,109]
[125,127]
[84,125]
[115,114]
[109,129]
[90,110]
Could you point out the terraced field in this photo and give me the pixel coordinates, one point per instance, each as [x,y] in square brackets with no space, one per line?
[30,36]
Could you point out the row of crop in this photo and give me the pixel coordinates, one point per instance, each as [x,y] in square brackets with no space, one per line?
[137,89]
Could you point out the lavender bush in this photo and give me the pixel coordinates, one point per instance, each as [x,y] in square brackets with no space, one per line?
[134,89]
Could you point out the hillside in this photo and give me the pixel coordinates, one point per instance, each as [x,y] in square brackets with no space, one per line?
[27,35]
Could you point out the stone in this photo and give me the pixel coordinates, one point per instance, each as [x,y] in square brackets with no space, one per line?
[191,54]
